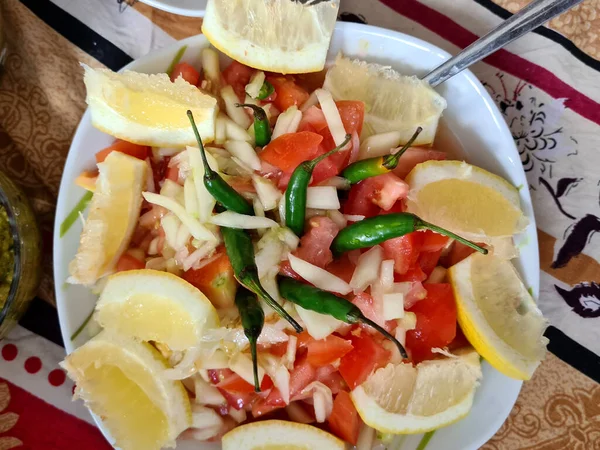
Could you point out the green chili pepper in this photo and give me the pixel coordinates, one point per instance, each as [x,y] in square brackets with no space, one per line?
[375,230]
[378,165]
[176,60]
[262,127]
[217,186]
[74,214]
[253,320]
[323,302]
[265,90]
[295,193]
[240,250]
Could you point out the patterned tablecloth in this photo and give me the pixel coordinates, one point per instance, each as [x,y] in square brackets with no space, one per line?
[546,86]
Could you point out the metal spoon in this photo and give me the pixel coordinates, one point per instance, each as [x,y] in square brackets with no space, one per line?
[527,19]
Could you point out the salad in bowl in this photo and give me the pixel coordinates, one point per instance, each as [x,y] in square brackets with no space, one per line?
[287,261]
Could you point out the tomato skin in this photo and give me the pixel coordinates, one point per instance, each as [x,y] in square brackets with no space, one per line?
[289,150]
[414,156]
[433,242]
[215,280]
[359,200]
[366,356]
[404,250]
[427,261]
[413,274]
[235,383]
[352,114]
[369,197]
[436,322]
[314,244]
[129,262]
[137,151]
[325,351]
[187,72]
[288,92]
[285,269]
[344,421]
[238,76]
[457,253]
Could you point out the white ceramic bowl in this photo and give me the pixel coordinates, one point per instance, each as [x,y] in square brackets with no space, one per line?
[471,115]
[191,8]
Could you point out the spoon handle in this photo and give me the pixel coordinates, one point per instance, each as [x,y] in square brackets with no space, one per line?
[527,19]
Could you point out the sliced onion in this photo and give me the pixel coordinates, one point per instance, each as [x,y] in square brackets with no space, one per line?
[238,115]
[153,247]
[213,361]
[322,197]
[221,130]
[206,393]
[340,183]
[386,275]
[354,217]
[417,292]
[171,189]
[312,100]
[204,417]
[189,194]
[241,364]
[438,275]
[287,122]
[281,210]
[245,152]
[256,83]
[269,253]
[244,169]
[322,400]
[289,238]
[267,192]
[180,255]
[196,228]
[319,326]
[320,278]
[337,217]
[367,269]
[198,254]
[239,415]
[149,177]
[186,367]
[379,144]
[204,199]
[210,65]
[393,306]
[271,112]
[241,221]
[278,374]
[366,438]
[233,131]
[168,151]
[170,224]
[332,116]
[290,352]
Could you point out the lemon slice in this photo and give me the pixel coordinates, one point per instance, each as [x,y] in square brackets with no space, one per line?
[119,380]
[278,36]
[148,109]
[114,212]
[393,102]
[498,315]
[465,199]
[155,306]
[280,435]
[403,399]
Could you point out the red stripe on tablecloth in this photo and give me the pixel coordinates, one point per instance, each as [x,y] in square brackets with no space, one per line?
[502,59]
[42,426]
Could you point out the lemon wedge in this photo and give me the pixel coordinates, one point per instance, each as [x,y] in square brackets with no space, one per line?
[498,315]
[119,380]
[393,102]
[114,212]
[280,435]
[404,399]
[148,109]
[472,202]
[277,36]
[155,306]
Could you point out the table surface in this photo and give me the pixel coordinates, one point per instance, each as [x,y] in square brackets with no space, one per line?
[42,99]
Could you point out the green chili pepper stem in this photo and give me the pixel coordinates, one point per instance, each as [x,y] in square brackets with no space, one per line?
[262,127]
[384,332]
[83,325]
[297,189]
[422,225]
[390,162]
[221,191]
[265,90]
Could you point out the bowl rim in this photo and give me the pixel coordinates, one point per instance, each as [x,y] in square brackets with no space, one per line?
[16,247]
[341,27]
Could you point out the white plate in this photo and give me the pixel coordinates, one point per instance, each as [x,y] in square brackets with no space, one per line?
[191,8]
[471,115]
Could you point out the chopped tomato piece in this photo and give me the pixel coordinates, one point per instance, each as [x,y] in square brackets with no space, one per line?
[285,268]
[428,260]
[368,196]
[261,407]
[237,400]
[304,339]
[342,268]
[238,76]
[352,114]
[137,151]
[436,322]
[187,72]
[215,280]
[332,379]
[325,351]
[314,245]
[366,305]
[414,156]
[289,150]
[313,120]
[344,421]
[243,185]
[458,252]
[433,241]
[360,201]
[366,356]
[302,374]
[235,383]
[279,349]
[459,341]
[398,207]
[404,250]
[129,262]
[288,92]
[415,273]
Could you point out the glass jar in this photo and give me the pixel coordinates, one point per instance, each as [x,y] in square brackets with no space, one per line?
[20,261]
